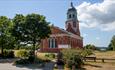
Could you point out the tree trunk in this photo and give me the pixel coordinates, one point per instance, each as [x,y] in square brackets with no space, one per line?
[2,51]
[34,52]
[73,67]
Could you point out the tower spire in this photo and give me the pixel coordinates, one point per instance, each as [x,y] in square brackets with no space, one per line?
[71,4]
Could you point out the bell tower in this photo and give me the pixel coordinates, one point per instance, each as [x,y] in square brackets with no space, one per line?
[72,23]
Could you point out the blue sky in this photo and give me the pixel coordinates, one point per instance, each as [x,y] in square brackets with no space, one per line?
[55,12]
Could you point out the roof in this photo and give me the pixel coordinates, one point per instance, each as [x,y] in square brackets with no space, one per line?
[63,32]
[72,8]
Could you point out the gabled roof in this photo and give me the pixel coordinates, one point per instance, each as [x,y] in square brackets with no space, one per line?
[59,31]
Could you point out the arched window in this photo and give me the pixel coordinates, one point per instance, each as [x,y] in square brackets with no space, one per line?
[69,15]
[52,43]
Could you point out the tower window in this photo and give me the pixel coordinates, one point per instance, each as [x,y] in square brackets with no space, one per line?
[70,16]
[73,15]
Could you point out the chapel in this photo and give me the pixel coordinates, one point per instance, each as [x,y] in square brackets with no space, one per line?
[64,38]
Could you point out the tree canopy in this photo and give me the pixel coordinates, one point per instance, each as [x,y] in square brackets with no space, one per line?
[30,29]
[90,46]
[111,46]
[5,35]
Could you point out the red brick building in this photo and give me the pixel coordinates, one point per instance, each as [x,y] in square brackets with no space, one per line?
[60,38]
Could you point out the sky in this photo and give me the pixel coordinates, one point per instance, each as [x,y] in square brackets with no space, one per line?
[96,17]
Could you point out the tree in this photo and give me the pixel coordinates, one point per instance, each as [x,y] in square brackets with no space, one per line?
[30,29]
[90,46]
[5,36]
[113,42]
[17,30]
[111,46]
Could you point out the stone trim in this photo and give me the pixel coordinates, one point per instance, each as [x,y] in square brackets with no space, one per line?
[70,35]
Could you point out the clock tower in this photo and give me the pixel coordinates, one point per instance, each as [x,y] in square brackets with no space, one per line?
[72,23]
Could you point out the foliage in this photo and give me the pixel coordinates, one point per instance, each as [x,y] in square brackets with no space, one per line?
[8,54]
[112,44]
[24,47]
[22,53]
[5,36]
[50,55]
[25,55]
[86,52]
[109,47]
[90,46]
[22,61]
[30,29]
[29,60]
[72,57]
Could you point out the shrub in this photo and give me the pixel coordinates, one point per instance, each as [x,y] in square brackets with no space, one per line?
[22,61]
[47,55]
[22,53]
[8,54]
[31,59]
[86,52]
[50,55]
[72,57]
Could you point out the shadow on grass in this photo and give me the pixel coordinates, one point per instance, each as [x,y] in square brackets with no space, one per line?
[97,66]
[46,66]
[61,67]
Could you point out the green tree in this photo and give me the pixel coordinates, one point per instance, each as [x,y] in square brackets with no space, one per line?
[17,30]
[113,42]
[5,35]
[90,46]
[111,46]
[30,29]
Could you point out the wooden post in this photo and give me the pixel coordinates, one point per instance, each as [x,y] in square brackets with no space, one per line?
[94,59]
[103,60]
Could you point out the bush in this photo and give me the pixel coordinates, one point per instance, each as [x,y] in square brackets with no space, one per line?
[22,61]
[22,53]
[8,54]
[47,55]
[72,57]
[29,60]
[50,55]
[86,52]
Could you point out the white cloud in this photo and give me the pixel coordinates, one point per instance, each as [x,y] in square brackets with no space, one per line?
[84,35]
[98,15]
[97,38]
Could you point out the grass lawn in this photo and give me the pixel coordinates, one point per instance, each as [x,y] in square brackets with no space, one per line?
[106,54]
[98,65]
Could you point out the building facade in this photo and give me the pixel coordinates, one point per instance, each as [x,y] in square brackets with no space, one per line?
[60,38]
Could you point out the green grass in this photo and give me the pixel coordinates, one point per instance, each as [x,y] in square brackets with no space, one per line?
[43,56]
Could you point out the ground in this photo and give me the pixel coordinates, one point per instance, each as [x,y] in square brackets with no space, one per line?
[89,65]
[98,65]
[10,66]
